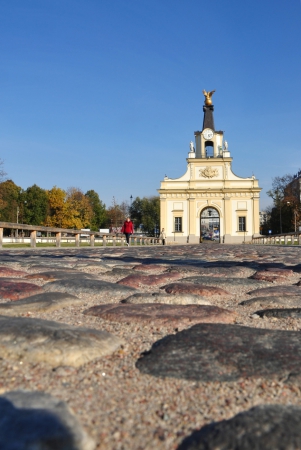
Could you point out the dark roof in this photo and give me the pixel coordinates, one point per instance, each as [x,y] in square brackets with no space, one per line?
[208,121]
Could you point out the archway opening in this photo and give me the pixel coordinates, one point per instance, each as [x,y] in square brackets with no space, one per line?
[209,148]
[210,224]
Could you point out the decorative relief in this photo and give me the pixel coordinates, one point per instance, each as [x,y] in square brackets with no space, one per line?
[209,172]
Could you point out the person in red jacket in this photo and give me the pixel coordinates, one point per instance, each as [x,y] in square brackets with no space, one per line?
[128,229]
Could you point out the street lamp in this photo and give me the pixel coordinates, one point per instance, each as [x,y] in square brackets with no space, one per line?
[280,198]
[18,210]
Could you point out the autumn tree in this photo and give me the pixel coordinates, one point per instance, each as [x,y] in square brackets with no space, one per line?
[115,215]
[57,211]
[68,209]
[79,209]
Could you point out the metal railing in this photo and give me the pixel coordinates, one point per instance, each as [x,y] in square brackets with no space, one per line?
[70,235]
[293,238]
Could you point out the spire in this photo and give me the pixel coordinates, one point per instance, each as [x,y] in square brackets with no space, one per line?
[208,121]
[208,109]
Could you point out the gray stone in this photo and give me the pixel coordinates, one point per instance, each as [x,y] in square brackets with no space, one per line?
[226,283]
[83,285]
[196,289]
[285,300]
[37,340]
[294,313]
[181,299]
[266,427]
[38,421]
[59,275]
[218,352]
[48,301]
[226,272]
[275,291]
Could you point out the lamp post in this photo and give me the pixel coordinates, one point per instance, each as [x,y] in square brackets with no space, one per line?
[18,210]
[279,198]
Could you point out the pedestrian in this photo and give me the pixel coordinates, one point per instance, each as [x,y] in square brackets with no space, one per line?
[127,229]
[163,236]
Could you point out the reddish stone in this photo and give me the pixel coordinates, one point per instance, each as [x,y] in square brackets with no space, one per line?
[280,272]
[273,275]
[267,276]
[41,276]
[15,290]
[198,289]
[150,268]
[8,272]
[176,315]
[148,280]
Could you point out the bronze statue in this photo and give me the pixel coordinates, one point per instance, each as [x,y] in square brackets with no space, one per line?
[208,95]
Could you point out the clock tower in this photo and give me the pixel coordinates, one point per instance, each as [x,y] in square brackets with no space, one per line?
[209,201]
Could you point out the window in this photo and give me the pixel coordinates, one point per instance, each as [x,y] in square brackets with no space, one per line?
[241,224]
[178,224]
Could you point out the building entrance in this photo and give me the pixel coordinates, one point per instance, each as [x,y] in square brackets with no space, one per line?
[210,224]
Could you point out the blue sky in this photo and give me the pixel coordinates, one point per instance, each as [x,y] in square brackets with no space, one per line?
[107,94]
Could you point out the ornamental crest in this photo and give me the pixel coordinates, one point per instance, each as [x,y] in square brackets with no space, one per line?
[209,172]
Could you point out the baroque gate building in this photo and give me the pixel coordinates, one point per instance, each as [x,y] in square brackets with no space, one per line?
[209,201]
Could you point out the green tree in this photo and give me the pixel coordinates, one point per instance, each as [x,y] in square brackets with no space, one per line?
[286,211]
[10,195]
[33,205]
[136,212]
[146,212]
[99,216]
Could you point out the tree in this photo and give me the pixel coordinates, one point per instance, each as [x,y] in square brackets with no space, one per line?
[115,216]
[99,216]
[70,209]
[10,195]
[33,205]
[286,213]
[136,211]
[79,209]
[146,212]
[57,208]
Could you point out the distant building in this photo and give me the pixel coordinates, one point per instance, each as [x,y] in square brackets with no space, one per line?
[263,217]
[293,189]
[209,200]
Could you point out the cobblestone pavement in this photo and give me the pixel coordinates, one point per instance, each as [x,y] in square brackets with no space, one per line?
[145,346]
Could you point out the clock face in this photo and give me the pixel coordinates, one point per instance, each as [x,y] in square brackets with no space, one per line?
[208,134]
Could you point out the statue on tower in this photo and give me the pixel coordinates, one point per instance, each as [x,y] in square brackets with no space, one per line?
[208,99]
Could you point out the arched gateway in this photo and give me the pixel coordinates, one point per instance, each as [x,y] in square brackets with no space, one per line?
[209,185]
[210,224]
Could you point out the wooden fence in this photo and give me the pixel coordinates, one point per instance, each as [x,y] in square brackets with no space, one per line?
[76,235]
[293,238]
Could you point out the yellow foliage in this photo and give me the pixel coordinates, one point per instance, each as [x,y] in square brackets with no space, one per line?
[70,209]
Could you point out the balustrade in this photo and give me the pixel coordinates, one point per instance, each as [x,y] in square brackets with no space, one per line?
[71,235]
[279,239]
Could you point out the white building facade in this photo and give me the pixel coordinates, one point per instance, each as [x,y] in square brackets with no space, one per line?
[209,201]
